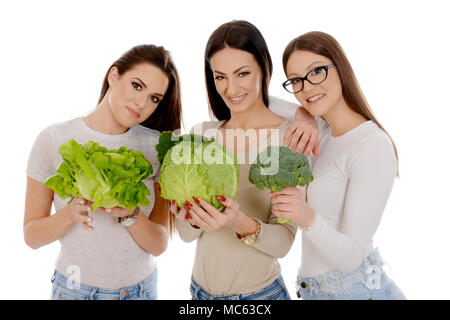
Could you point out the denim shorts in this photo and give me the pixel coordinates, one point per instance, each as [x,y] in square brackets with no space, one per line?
[368,282]
[64,290]
[275,291]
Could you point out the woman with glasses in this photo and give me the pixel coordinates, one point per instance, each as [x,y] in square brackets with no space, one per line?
[238,249]
[352,178]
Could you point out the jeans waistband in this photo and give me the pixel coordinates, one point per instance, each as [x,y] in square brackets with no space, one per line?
[197,290]
[334,280]
[276,290]
[90,290]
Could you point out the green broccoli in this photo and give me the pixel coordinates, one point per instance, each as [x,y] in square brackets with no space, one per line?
[279,167]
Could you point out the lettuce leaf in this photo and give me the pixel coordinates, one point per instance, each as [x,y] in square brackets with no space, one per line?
[108,178]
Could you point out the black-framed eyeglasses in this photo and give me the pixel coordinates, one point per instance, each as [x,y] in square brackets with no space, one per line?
[315,76]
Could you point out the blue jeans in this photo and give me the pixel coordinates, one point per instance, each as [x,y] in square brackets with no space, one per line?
[275,291]
[368,282]
[63,290]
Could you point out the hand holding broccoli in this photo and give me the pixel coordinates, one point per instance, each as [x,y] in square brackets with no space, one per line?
[278,167]
[290,204]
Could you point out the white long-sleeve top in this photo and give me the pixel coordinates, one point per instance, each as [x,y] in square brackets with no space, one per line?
[353,178]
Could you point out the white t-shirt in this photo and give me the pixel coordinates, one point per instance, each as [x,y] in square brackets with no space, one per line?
[353,178]
[107,257]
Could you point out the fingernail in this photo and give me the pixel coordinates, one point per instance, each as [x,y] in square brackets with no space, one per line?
[221,198]
[174,202]
[196,226]
[188,215]
[186,207]
[196,199]
[189,204]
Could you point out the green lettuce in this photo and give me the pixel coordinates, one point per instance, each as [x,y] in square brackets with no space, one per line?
[195,166]
[108,178]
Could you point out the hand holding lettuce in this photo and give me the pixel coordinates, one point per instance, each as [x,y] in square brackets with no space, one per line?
[108,178]
[279,167]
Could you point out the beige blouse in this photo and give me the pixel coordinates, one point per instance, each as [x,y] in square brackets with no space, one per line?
[223,264]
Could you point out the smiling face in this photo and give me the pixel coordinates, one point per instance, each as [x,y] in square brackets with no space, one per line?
[238,78]
[317,99]
[134,95]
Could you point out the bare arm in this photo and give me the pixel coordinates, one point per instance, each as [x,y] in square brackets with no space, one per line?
[39,227]
[152,233]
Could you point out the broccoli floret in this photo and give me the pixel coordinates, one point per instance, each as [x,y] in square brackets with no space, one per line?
[279,167]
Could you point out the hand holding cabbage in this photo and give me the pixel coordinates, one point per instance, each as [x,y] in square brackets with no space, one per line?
[196,166]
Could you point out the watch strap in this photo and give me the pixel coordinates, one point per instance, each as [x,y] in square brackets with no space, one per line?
[129,220]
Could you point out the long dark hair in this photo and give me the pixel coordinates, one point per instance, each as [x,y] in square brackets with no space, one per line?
[325,45]
[167,115]
[238,35]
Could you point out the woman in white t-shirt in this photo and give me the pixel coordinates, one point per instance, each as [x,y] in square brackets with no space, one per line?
[108,254]
[352,178]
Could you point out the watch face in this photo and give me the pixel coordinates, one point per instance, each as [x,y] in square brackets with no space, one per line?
[128,222]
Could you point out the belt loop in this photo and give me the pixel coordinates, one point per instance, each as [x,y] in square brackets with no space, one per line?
[196,292]
[141,291]
[91,296]
[196,288]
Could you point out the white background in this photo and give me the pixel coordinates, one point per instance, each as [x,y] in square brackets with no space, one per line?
[55,53]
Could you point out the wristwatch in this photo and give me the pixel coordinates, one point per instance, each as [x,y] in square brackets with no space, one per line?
[251,238]
[129,220]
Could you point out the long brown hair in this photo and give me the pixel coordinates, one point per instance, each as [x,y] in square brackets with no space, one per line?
[243,35]
[325,45]
[167,116]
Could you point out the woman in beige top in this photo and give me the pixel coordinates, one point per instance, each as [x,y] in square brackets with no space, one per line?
[238,248]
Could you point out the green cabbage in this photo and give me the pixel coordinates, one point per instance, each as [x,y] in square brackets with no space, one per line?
[195,166]
[108,178]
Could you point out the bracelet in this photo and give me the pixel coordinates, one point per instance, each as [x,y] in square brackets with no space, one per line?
[129,220]
[251,238]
